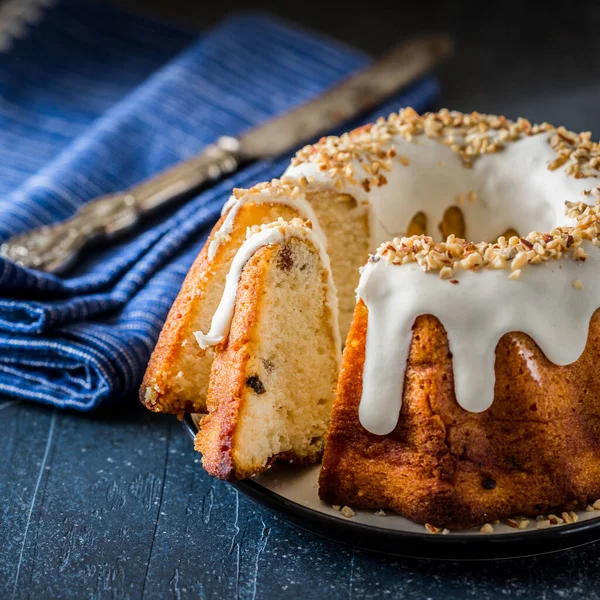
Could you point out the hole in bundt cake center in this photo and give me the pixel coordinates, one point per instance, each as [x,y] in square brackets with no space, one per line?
[506,193]
[487,225]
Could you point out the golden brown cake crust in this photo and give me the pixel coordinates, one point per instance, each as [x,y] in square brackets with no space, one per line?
[158,391]
[226,394]
[536,448]
[229,388]
[155,392]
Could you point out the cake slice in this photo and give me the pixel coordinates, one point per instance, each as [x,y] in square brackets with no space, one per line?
[277,353]
[177,377]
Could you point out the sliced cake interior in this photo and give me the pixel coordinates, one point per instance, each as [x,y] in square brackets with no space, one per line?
[274,374]
[177,377]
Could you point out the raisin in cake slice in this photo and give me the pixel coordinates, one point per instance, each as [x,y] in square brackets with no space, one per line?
[177,377]
[277,353]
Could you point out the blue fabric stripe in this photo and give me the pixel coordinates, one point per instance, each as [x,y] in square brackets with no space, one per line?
[86,108]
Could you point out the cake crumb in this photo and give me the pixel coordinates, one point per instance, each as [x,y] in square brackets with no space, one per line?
[589,508]
[570,517]
[517,523]
[487,529]
[544,524]
[432,528]
[521,523]
[578,284]
[596,505]
[446,272]
[566,517]
[336,506]
[515,274]
[380,513]
[348,512]
[554,520]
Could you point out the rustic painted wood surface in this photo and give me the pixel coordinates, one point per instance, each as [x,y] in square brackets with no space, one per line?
[116,505]
[108,507]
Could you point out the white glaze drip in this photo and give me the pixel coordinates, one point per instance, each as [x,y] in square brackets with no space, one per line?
[514,189]
[223,316]
[233,206]
[476,313]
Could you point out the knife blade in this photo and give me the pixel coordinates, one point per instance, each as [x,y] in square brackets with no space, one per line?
[56,247]
[350,98]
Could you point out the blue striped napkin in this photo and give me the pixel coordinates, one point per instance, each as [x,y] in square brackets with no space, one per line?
[93,100]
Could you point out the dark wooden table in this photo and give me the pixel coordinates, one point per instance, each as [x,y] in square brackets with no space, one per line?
[117,506]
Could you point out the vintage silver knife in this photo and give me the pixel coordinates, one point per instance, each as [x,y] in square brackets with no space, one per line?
[54,248]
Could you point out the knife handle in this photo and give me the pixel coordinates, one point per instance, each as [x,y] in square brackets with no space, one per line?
[54,248]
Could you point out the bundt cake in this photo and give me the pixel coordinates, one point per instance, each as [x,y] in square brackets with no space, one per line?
[493,408]
[272,383]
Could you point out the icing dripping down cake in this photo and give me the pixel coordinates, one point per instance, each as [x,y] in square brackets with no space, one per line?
[468,389]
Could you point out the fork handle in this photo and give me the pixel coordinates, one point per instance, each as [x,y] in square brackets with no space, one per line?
[55,247]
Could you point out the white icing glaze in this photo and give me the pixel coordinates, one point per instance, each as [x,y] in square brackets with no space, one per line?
[233,206]
[223,316]
[221,321]
[476,313]
[514,188]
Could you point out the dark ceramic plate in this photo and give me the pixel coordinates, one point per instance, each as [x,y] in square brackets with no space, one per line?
[292,492]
